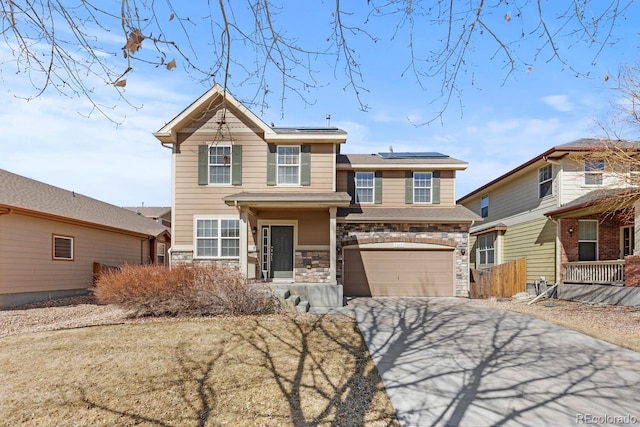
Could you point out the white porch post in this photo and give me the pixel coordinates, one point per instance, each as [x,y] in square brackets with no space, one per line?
[244,241]
[332,245]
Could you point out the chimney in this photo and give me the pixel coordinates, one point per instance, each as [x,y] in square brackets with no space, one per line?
[328,120]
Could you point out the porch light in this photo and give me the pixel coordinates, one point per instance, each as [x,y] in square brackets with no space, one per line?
[254,230]
[570,230]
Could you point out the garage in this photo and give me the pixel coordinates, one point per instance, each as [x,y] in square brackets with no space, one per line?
[379,271]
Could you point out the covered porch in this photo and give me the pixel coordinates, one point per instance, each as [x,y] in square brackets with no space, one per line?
[288,239]
[596,244]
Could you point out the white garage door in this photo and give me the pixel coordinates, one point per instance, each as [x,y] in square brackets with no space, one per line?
[397,272]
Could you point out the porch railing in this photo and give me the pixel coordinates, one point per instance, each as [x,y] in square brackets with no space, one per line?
[594,272]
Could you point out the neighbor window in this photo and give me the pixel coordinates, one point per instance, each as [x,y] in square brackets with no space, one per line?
[288,165]
[217,238]
[364,187]
[484,206]
[422,187]
[486,249]
[545,181]
[219,164]
[593,170]
[63,248]
[587,240]
[628,241]
[160,251]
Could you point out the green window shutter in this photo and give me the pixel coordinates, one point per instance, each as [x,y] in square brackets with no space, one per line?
[435,188]
[305,164]
[272,158]
[377,192]
[203,164]
[236,164]
[408,187]
[351,185]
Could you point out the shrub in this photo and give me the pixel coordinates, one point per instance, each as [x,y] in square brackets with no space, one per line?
[151,290]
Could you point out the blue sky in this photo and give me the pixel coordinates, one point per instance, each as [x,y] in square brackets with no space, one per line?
[495,124]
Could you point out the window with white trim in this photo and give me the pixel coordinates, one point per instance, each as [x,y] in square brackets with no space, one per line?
[484,206]
[545,181]
[160,253]
[365,187]
[593,171]
[627,241]
[62,248]
[587,240]
[217,238]
[486,249]
[220,164]
[288,161]
[422,187]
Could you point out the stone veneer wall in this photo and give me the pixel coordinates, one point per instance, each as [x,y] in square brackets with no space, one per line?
[312,266]
[186,257]
[456,236]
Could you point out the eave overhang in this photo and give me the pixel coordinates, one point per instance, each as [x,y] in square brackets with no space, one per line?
[288,200]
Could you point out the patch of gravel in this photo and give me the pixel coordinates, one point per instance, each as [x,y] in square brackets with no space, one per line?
[616,324]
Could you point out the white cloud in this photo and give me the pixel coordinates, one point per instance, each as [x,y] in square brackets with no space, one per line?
[559,103]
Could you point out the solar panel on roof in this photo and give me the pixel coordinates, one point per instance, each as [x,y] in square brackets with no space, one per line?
[413,155]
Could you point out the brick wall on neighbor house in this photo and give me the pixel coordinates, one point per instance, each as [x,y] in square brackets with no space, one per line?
[455,236]
[632,270]
[608,237]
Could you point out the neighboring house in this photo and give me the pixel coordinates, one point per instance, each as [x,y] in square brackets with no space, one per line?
[50,238]
[285,206]
[545,210]
[160,214]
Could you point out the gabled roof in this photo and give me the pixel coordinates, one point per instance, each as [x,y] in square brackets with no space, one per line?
[21,194]
[379,161]
[168,134]
[557,152]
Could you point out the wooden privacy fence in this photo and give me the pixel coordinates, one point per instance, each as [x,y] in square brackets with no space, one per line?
[500,281]
[98,269]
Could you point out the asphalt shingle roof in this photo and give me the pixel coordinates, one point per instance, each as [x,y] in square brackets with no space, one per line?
[451,214]
[17,191]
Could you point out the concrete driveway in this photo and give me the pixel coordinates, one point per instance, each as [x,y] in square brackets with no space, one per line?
[447,361]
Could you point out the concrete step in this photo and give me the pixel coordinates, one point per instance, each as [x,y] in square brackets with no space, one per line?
[303,306]
[290,303]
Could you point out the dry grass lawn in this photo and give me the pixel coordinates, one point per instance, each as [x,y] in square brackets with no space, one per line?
[271,370]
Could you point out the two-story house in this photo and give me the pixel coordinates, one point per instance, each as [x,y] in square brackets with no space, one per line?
[549,211]
[284,206]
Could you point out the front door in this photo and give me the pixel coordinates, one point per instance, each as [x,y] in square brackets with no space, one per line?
[282,251]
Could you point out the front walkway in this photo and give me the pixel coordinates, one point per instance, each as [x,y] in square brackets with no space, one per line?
[447,361]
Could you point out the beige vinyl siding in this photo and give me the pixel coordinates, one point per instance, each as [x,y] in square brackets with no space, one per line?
[393,188]
[313,225]
[534,240]
[193,199]
[26,263]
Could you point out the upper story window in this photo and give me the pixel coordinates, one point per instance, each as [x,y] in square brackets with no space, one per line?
[486,249]
[63,248]
[545,181]
[217,238]
[288,162]
[593,170]
[219,164]
[484,206]
[364,187]
[422,187]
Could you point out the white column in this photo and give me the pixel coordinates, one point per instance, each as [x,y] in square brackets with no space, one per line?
[332,245]
[244,241]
